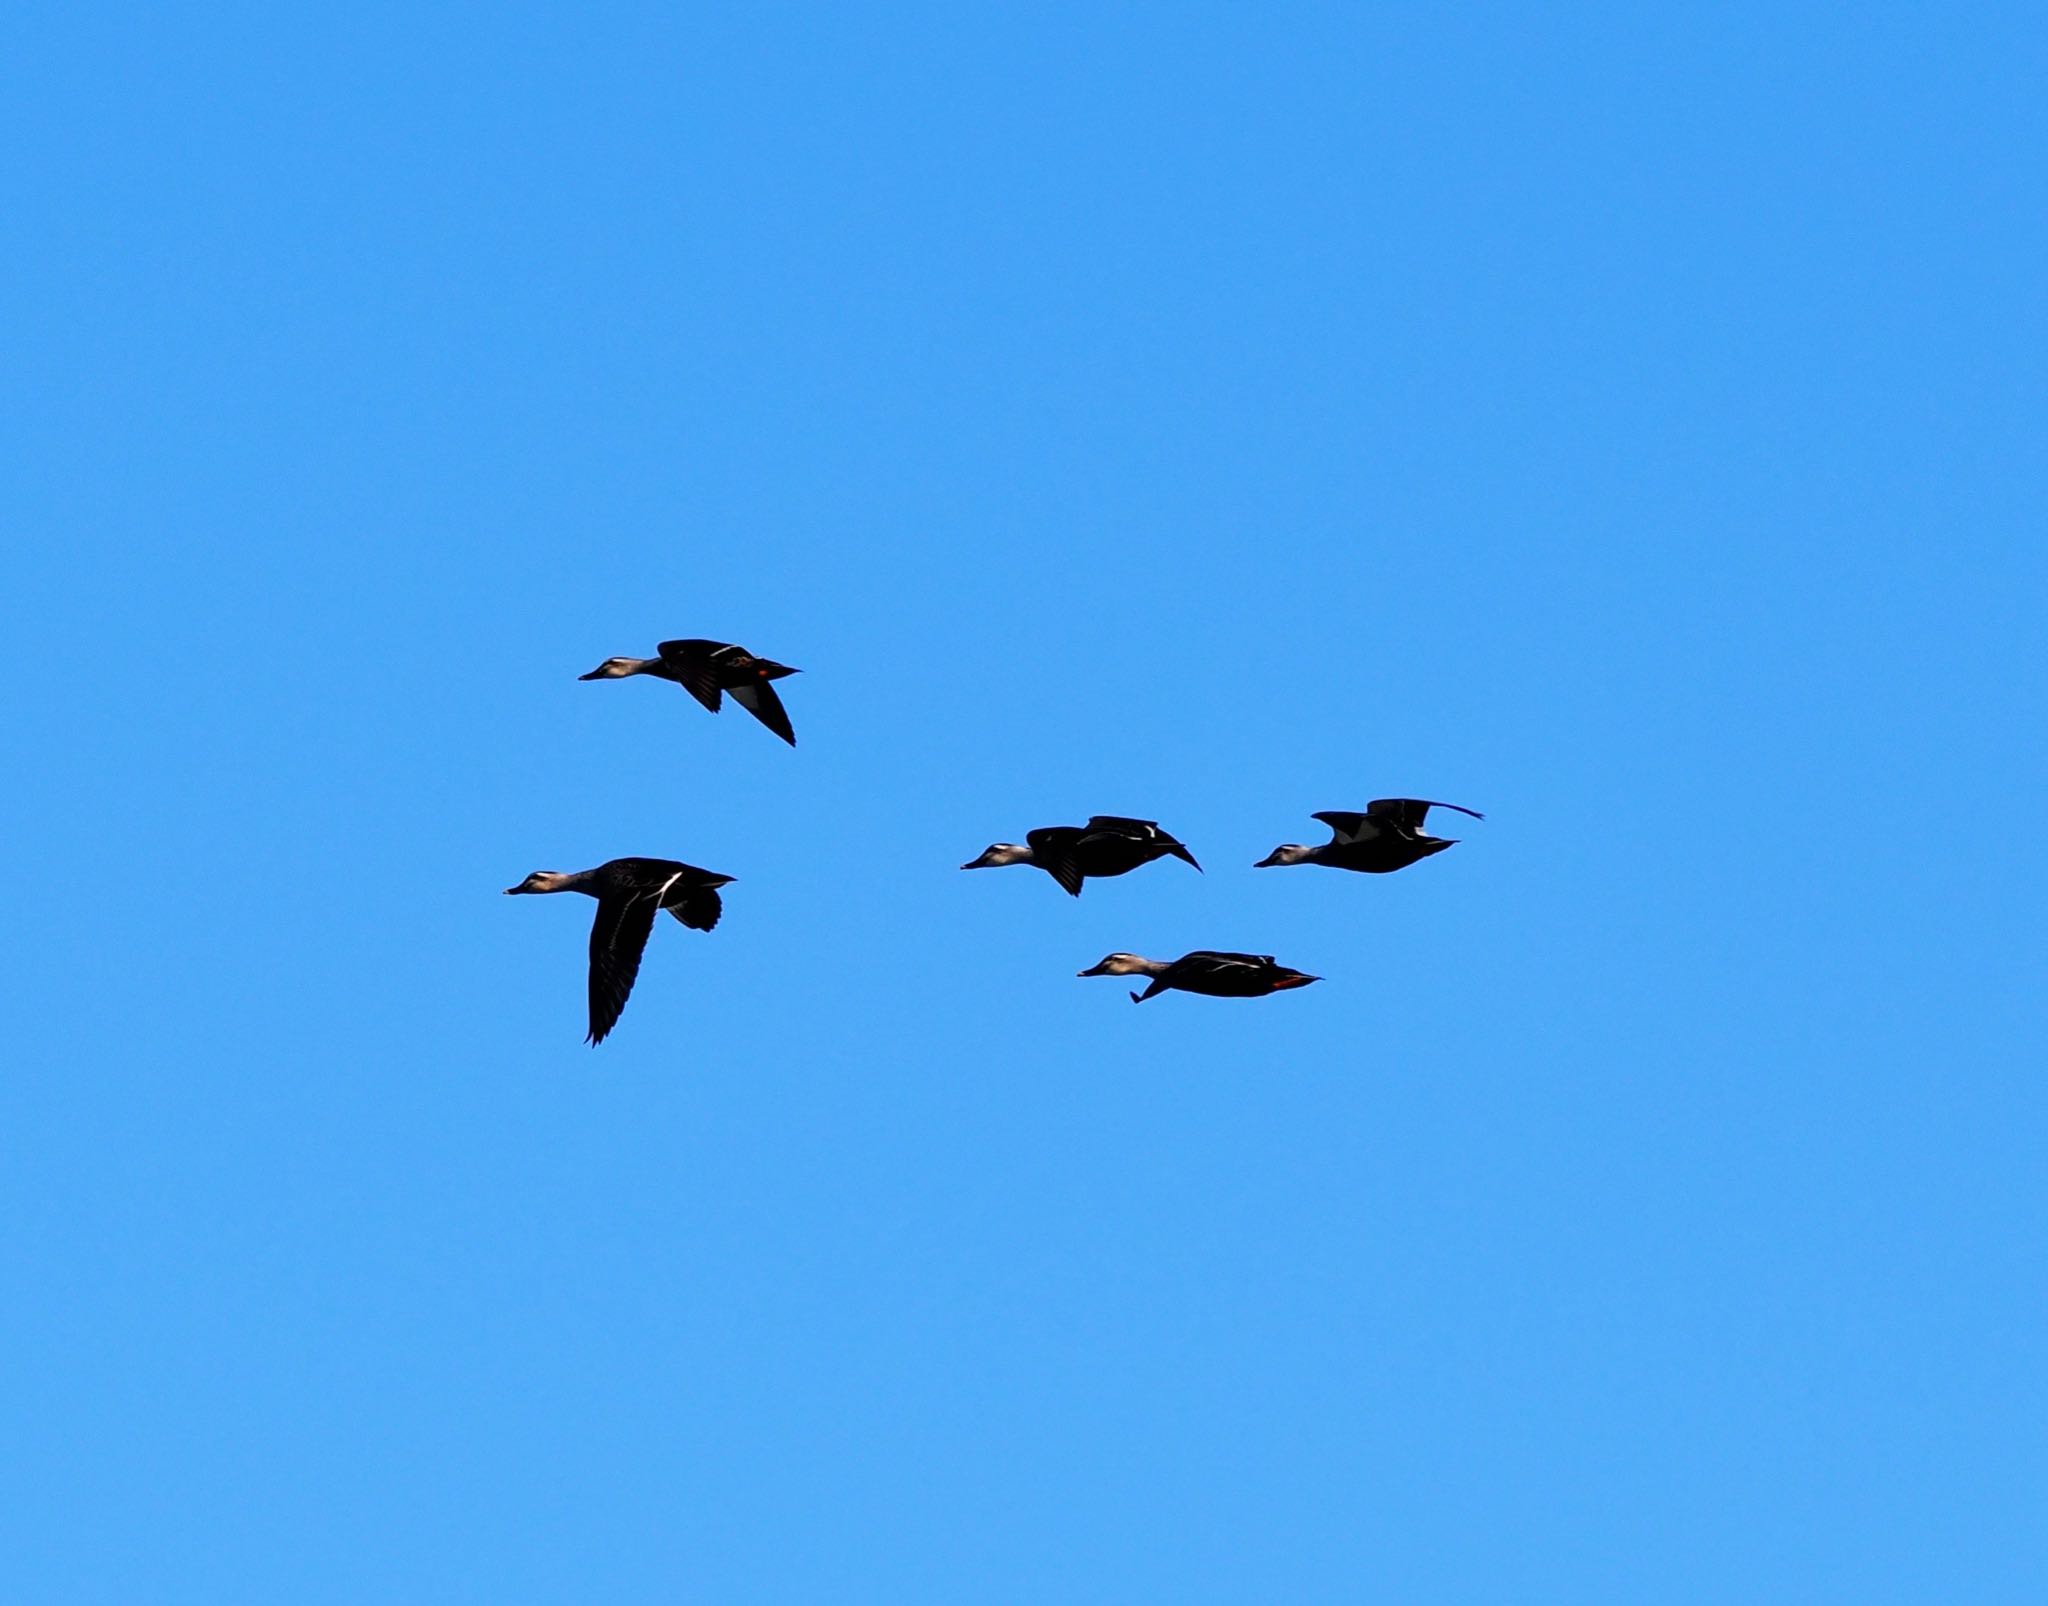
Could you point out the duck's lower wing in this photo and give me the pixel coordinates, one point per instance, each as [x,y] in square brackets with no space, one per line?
[702,687]
[690,668]
[758,698]
[1052,850]
[698,910]
[617,938]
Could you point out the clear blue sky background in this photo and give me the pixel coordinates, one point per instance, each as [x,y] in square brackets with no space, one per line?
[1624,419]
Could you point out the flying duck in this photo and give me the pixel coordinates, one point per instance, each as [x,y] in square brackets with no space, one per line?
[1218,975]
[1107,845]
[628,894]
[1387,836]
[705,669]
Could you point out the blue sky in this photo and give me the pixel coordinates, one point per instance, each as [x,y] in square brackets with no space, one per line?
[1625,420]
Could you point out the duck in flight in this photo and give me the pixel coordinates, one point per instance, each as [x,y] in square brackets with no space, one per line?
[1387,836]
[706,669]
[629,893]
[1109,844]
[1218,975]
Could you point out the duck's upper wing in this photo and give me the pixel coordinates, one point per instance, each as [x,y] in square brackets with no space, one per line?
[1410,812]
[1124,825]
[1145,831]
[690,661]
[1347,827]
[1210,961]
[618,936]
[758,698]
[643,875]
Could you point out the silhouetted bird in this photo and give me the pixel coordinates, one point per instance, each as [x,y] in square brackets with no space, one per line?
[705,669]
[1107,845]
[1387,836]
[629,892]
[1219,975]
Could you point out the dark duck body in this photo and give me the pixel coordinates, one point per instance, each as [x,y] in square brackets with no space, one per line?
[1207,971]
[1387,836]
[709,669]
[629,893]
[1109,844]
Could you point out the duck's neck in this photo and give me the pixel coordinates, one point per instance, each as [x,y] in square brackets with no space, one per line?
[573,881]
[1150,967]
[635,666]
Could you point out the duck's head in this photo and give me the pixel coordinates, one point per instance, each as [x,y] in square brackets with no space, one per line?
[1292,978]
[542,880]
[769,669]
[1000,853]
[1286,853]
[1119,965]
[613,669]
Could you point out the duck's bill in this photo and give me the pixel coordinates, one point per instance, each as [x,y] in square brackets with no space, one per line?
[1296,980]
[1268,861]
[595,674]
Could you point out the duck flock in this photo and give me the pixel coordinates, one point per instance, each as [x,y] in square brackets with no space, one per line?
[1388,835]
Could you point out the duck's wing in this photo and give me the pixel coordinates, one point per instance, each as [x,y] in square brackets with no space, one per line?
[699,910]
[1216,959]
[1146,831]
[1348,827]
[1410,812]
[758,698]
[1200,965]
[690,662]
[1124,825]
[618,936]
[631,875]
[1052,850]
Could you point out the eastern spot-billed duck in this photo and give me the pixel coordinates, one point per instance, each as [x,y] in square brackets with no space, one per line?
[1219,975]
[1387,836]
[1107,845]
[628,894]
[705,669]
